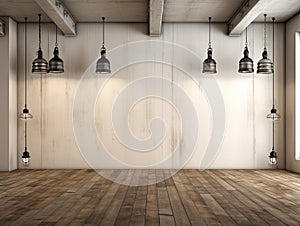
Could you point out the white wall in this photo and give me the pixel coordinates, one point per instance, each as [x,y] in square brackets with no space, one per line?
[292,27]
[245,142]
[8,97]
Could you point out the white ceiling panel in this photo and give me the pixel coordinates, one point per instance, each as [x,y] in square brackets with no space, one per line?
[199,11]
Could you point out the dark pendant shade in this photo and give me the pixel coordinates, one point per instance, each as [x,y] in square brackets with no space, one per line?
[40,65]
[265,65]
[56,64]
[103,64]
[246,63]
[209,64]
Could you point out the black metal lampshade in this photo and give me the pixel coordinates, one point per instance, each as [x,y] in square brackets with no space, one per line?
[246,63]
[40,65]
[56,64]
[26,157]
[265,65]
[209,64]
[103,64]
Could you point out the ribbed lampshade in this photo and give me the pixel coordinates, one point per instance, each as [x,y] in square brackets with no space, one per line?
[56,64]
[246,63]
[209,64]
[103,64]
[40,65]
[265,65]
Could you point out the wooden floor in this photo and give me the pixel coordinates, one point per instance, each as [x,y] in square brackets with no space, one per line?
[191,197]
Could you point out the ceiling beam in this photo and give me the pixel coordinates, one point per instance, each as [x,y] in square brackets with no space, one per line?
[245,15]
[60,15]
[156,8]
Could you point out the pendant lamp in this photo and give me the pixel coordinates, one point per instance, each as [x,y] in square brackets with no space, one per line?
[40,65]
[246,63]
[103,64]
[25,114]
[209,64]
[273,115]
[56,64]
[265,65]
[25,155]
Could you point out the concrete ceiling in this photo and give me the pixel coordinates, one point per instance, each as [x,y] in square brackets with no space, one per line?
[66,13]
[137,10]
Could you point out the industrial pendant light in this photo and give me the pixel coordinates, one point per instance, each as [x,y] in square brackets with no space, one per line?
[56,64]
[209,64]
[40,65]
[246,63]
[273,155]
[273,115]
[25,155]
[265,65]
[25,113]
[103,64]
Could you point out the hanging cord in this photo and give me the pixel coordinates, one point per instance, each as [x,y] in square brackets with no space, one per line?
[25,135]
[246,43]
[273,139]
[273,62]
[56,36]
[209,32]
[273,123]
[103,18]
[265,31]
[25,65]
[40,31]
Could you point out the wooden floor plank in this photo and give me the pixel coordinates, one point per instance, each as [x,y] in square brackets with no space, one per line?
[190,197]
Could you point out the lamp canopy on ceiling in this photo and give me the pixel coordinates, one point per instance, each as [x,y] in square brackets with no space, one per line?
[40,65]
[103,64]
